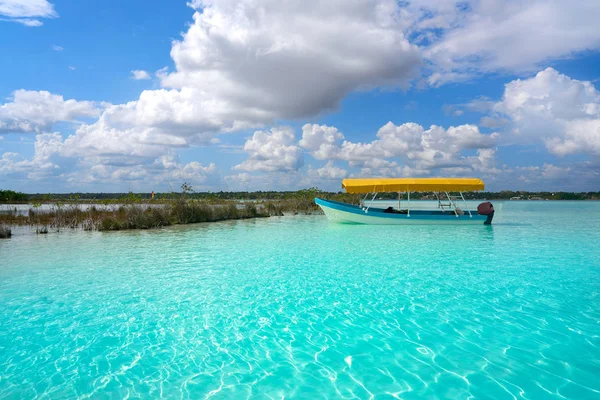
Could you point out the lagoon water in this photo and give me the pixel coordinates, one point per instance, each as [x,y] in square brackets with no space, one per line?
[297,307]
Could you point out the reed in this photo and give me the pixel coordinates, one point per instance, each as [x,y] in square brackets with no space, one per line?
[176,208]
[135,216]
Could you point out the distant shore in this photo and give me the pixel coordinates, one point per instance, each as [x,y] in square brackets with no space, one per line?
[13,197]
[118,211]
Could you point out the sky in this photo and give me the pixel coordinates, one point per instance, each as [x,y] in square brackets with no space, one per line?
[228,95]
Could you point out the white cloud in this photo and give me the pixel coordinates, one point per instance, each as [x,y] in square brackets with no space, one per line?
[139,74]
[38,111]
[328,172]
[323,141]
[101,139]
[272,151]
[492,123]
[580,136]
[25,11]
[57,48]
[462,38]
[164,171]
[239,181]
[27,8]
[421,150]
[481,104]
[24,21]
[242,65]
[72,68]
[260,52]
[158,120]
[44,164]
[450,109]
[562,112]
[54,162]
[277,180]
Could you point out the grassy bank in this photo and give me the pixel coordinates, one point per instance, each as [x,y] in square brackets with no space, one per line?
[130,216]
[133,211]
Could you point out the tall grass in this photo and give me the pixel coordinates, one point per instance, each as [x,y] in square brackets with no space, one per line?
[135,217]
[176,208]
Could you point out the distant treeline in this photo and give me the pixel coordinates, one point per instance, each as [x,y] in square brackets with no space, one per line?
[510,195]
[9,196]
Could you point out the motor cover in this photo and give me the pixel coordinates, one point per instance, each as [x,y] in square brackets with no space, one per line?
[485,208]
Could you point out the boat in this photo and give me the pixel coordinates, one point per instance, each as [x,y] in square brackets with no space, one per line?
[451,207]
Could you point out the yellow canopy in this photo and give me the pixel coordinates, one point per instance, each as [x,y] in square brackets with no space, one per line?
[380,185]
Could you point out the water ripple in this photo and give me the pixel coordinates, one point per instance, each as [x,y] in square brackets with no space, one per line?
[298,308]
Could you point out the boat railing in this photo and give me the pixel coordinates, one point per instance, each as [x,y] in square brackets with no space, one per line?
[452,199]
[445,202]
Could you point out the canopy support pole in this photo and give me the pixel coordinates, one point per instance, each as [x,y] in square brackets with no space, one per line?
[452,204]
[373,199]
[465,204]
[399,197]
[408,205]
[362,202]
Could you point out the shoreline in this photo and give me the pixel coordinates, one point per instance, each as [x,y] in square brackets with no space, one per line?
[143,216]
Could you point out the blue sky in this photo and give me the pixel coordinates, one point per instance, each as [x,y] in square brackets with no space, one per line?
[263,94]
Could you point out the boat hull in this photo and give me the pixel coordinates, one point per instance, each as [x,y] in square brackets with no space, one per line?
[351,214]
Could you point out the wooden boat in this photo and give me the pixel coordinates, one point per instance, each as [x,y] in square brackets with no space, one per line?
[451,208]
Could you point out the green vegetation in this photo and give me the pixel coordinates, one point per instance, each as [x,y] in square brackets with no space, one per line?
[297,197]
[137,211]
[116,211]
[10,196]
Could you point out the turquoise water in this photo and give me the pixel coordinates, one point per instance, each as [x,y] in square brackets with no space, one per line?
[301,308]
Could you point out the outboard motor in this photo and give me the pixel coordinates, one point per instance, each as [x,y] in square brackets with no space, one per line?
[486,208]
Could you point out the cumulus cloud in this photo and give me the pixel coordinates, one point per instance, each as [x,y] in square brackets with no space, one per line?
[57,48]
[272,151]
[139,74]
[242,65]
[101,139]
[329,172]
[462,38]
[38,111]
[282,58]
[562,112]
[165,171]
[45,163]
[26,11]
[158,120]
[321,140]
[245,64]
[54,161]
[421,150]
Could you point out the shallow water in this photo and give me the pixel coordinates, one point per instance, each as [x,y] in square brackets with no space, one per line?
[301,308]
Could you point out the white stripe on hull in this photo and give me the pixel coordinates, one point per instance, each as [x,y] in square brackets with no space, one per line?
[346,217]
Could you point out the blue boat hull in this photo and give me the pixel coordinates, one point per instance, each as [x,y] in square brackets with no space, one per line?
[353,214]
